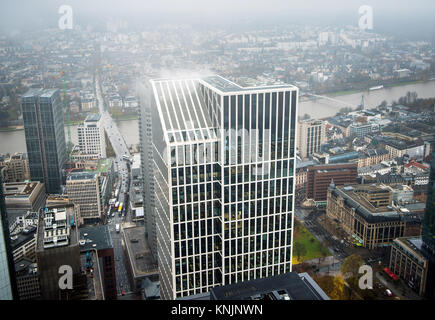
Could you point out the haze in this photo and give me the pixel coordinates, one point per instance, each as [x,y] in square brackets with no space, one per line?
[397,17]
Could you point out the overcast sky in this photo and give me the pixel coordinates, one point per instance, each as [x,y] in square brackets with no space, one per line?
[400,16]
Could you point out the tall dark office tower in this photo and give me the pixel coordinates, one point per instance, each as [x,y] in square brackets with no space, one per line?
[45,137]
[7,269]
[223,161]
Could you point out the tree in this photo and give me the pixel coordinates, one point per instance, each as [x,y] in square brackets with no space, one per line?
[334,287]
[304,267]
[300,250]
[350,266]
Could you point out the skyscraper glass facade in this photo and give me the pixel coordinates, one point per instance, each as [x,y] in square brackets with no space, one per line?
[45,137]
[224,168]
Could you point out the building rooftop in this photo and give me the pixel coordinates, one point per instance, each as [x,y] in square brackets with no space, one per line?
[413,243]
[54,227]
[93,117]
[226,86]
[24,265]
[139,253]
[95,237]
[182,110]
[19,189]
[82,175]
[287,286]
[363,207]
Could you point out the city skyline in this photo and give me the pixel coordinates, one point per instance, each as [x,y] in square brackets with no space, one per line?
[202,150]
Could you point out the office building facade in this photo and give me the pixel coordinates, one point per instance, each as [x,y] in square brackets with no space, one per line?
[45,137]
[84,190]
[312,134]
[8,289]
[15,168]
[224,161]
[319,177]
[147,163]
[56,245]
[91,137]
[365,213]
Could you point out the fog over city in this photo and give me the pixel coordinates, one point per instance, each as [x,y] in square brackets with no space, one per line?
[217,150]
[412,19]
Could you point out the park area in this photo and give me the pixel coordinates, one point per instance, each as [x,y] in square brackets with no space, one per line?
[305,245]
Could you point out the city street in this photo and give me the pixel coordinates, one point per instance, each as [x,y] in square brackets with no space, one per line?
[121,149]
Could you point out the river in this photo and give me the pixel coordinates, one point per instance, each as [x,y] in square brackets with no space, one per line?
[14,141]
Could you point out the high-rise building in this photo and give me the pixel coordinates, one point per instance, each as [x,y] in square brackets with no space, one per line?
[8,289]
[147,164]
[85,190]
[45,137]
[57,245]
[91,137]
[223,160]
[311,135]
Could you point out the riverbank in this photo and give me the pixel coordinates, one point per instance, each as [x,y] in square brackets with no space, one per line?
[354,91]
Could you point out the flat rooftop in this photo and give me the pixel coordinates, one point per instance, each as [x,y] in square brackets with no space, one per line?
[227,86]
[82,175]
[70,213]
[139,253]
[415,244]
[287,286]
[93,117]
[19,189]
[39,92]
[95,237]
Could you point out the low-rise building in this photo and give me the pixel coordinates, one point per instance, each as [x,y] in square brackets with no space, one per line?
[142,266]
[409,263]
[365,213]
[14,168]
[21,197]
[319,177]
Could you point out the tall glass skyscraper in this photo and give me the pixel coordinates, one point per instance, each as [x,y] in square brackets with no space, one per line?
[223,159]
[7,270]
[45,137]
